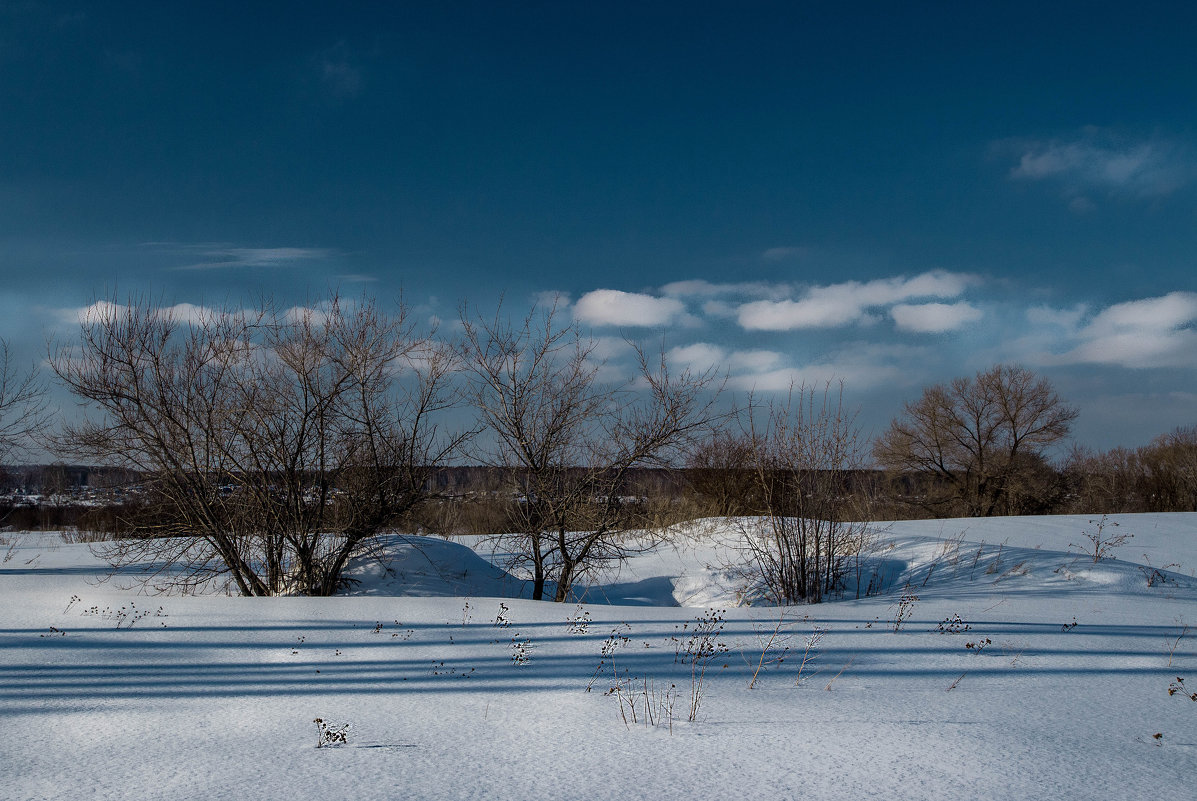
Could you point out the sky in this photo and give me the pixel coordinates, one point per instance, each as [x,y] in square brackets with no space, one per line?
[887,194]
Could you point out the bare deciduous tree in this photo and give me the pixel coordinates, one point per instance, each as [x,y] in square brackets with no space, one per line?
[275,443]
[977,436]
[807,462]
[1158,477]
[570,441]
[23,406]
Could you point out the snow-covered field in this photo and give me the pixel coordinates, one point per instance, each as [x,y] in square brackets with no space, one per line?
[455,688]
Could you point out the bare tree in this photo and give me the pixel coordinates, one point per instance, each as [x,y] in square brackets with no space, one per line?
[275,443]
[570,441]
[977,436]
[23,406]
[808,465]
[1158,477]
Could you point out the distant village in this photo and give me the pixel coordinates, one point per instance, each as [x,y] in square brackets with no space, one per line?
[66,485]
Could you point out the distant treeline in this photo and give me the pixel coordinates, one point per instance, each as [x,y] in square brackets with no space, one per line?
[1159,477]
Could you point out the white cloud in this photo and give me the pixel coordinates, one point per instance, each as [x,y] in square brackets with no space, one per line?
[934,318]
[1170,311]
[609,348]
[1146,333]
[745,365]
[1099,160]
[1137,350]
[613,307]
[860,365]
[698,356]
[854,376]
[754,361]
[297,315]
[103,311]
[847,303]
[99,312]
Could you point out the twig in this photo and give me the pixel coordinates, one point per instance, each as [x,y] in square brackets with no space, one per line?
[837,675]
[1176,643]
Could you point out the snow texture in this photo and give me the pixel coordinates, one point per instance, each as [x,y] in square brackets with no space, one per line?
[455,687]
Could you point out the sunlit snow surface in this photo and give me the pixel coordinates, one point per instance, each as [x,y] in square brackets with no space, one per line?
[107,692]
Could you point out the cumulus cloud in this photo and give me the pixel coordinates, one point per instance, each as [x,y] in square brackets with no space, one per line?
[1150,332]
[1099,160]
[1151,314]
[934,318]
[847,303]
[613,307]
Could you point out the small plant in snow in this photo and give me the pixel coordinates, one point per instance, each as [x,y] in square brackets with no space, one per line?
[610,646]
[904,608]
[1174,644]
[74,600]
[1178,687]
[501,619]
[1156,575]
[953,625]
[774,646]
[640,700]
[811,650]
[1070,626]
[521,651]
[126,616]
[331,735]
[579,623]
[1101,543]
[704,637]
[702,647]
[979,645]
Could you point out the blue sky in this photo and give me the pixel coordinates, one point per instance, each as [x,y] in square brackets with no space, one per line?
[892,194]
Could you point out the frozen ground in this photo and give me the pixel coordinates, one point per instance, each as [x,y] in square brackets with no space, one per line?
[108,693]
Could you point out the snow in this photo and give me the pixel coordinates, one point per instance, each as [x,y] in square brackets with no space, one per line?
[107,692]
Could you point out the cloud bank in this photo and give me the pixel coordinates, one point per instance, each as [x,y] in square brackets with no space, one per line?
[837,305]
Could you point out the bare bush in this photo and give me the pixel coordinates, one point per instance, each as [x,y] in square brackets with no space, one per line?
[274,444]
[1102,541]
[806,460]
[570,442]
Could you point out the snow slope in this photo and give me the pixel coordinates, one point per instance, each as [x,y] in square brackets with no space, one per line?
[454,687]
